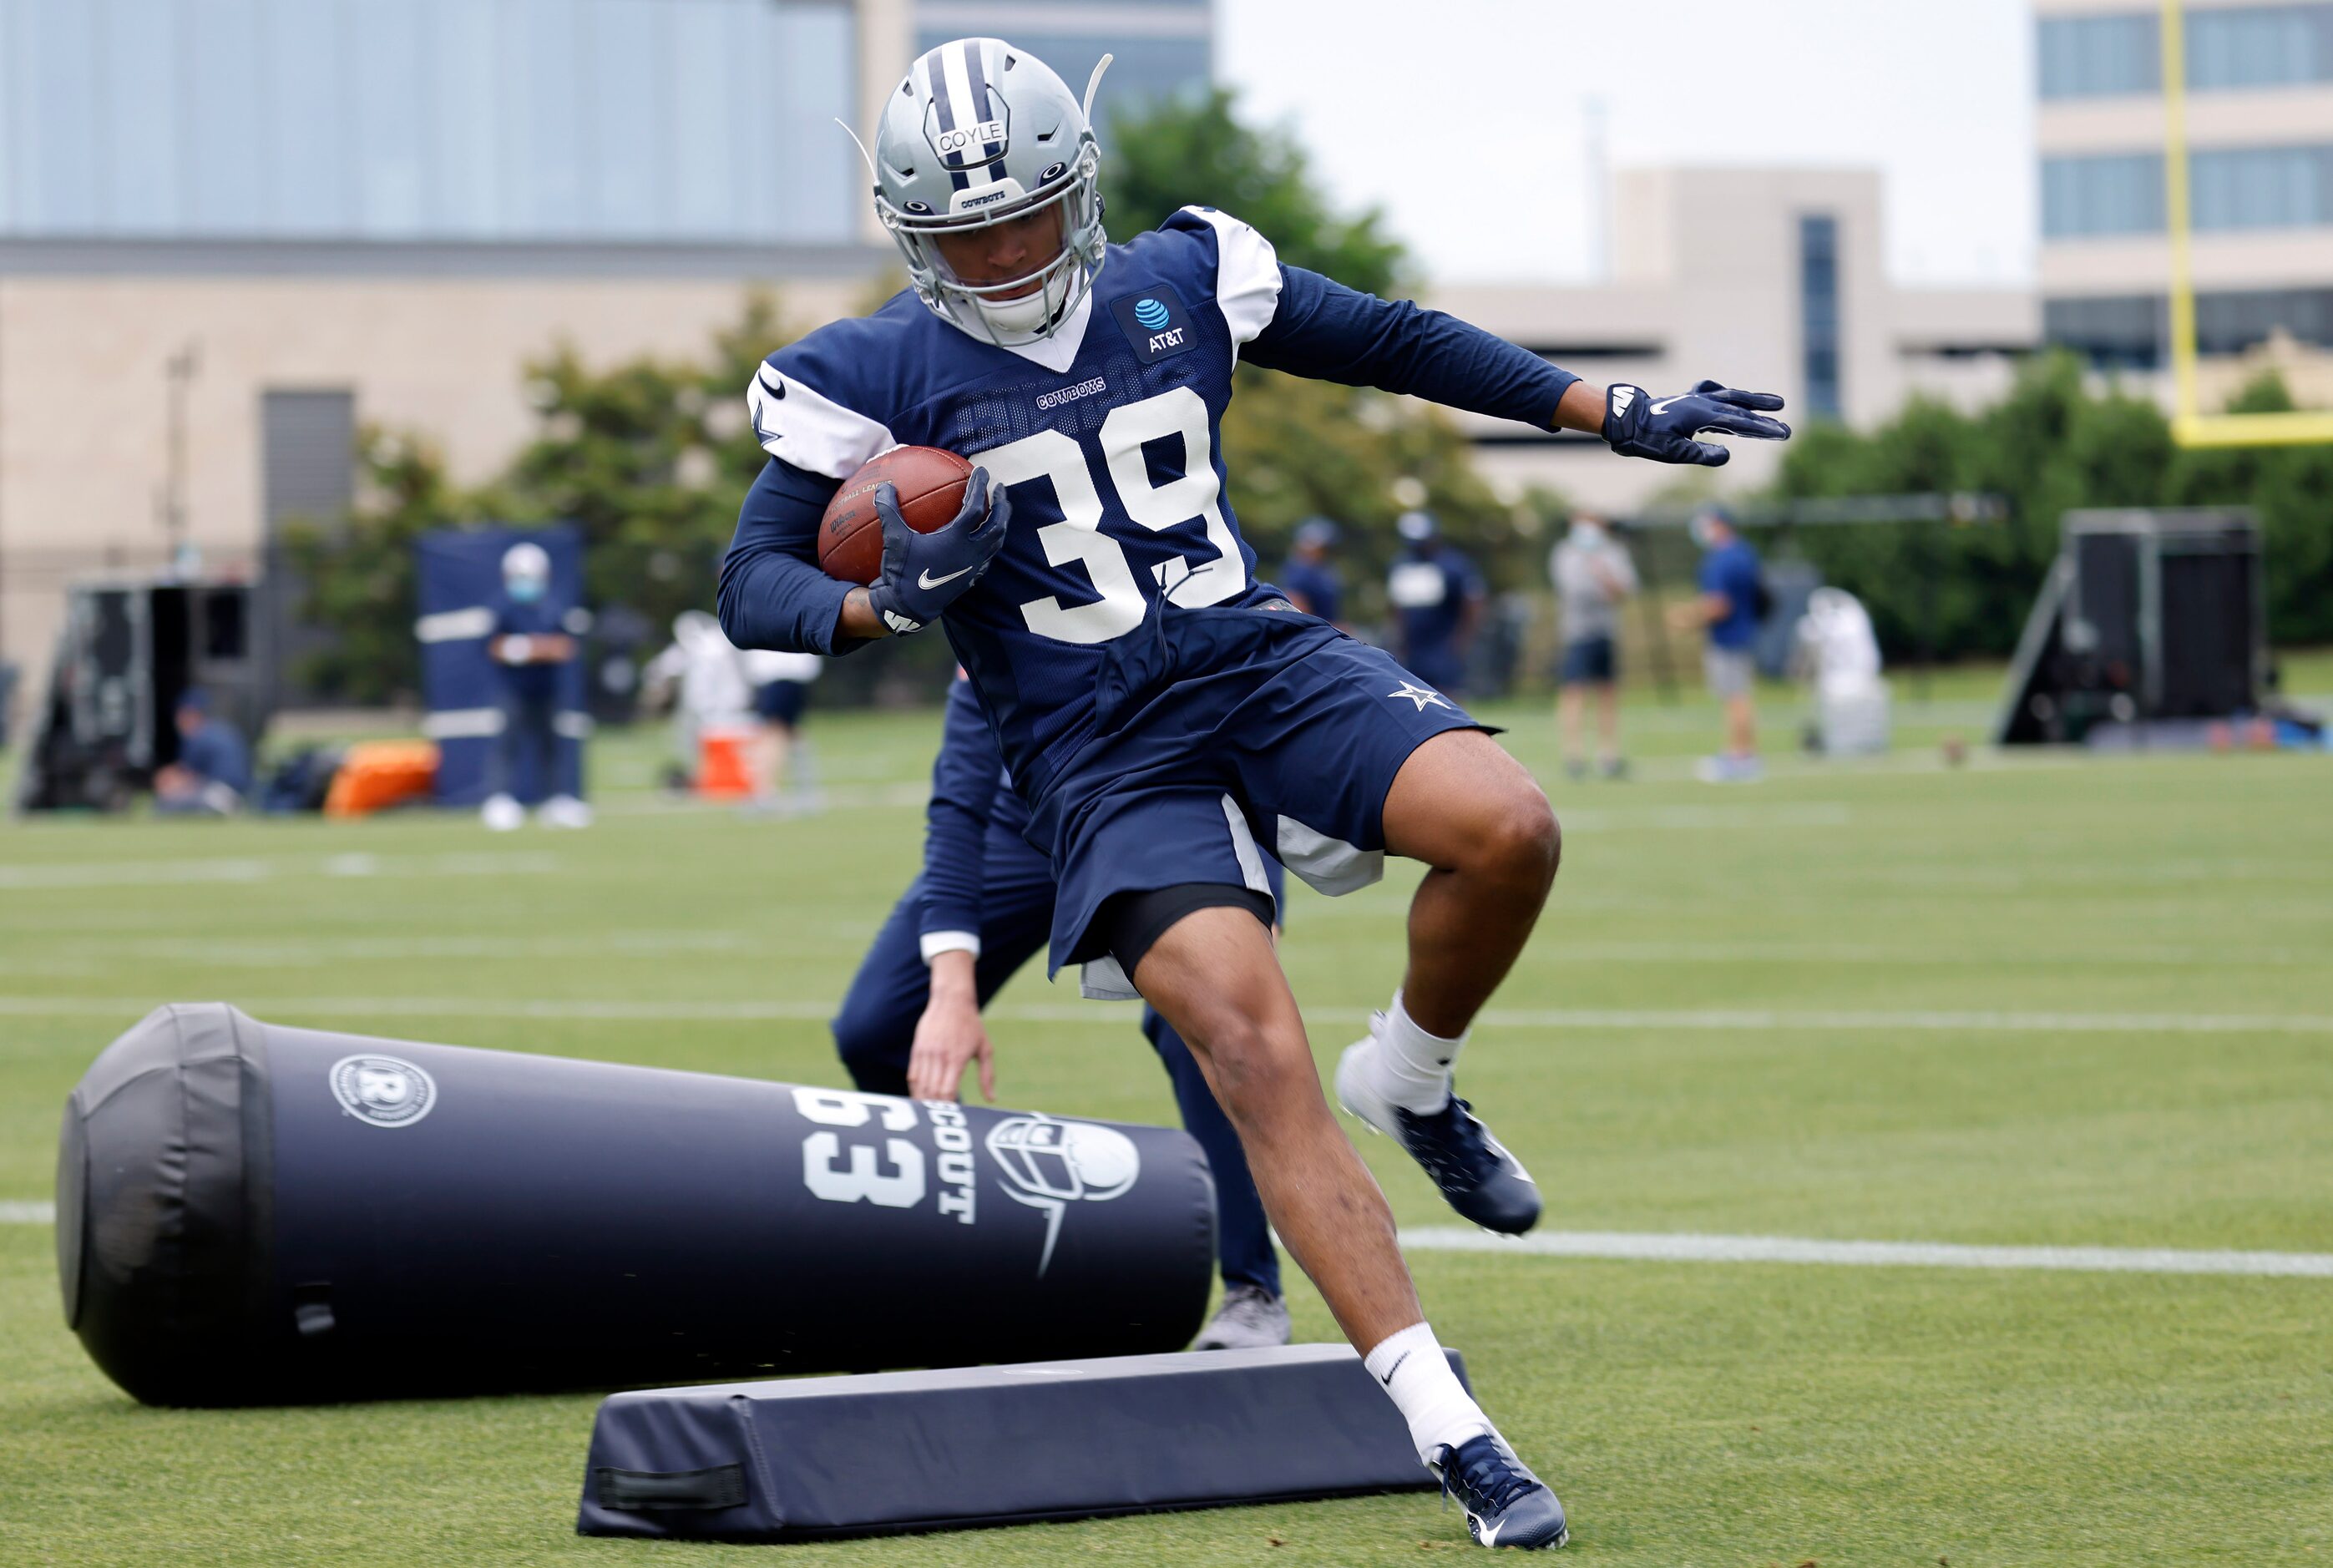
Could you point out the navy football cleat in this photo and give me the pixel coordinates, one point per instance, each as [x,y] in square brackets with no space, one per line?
[1506,1504]
[1477,1176]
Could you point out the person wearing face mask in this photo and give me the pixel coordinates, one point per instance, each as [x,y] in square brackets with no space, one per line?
[1594,578]
[529,645]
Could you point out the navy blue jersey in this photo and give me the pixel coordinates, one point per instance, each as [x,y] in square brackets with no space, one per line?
[217,755]
[1430,593]
[1316,585]
[530,618]
[1106,435]
[972,826]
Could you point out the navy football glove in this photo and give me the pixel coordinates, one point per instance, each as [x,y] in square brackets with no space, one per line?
[1665,430]
[923,573]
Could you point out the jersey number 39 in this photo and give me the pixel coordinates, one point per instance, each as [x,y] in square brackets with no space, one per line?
[1077,538]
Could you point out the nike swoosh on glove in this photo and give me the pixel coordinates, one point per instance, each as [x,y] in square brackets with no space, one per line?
[1666,430]
[924,573]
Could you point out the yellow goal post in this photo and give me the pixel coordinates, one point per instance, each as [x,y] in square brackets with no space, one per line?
[2189,426]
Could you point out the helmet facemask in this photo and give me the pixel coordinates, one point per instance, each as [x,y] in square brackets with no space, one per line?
[1012,310]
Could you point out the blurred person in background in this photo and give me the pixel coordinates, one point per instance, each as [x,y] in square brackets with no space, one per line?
[213,772]
[1727,610]
[703,676]
[781,683]
[1437,599]
[529,645]
[1309,579]
[1594,578]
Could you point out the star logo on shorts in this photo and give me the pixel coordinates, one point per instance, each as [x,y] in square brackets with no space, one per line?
[1425,696]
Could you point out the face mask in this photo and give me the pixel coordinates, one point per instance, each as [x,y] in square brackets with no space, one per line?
[1702,535]
[525,590]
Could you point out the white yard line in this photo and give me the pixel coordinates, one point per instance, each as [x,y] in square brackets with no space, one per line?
[1666,1247]
[1718,1020]
[34,875]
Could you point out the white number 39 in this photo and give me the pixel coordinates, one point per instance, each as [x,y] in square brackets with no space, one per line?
[1077,538]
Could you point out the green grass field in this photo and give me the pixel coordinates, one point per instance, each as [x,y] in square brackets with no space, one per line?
[2037,1000]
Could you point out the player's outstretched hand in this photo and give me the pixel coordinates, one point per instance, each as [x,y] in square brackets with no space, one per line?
[924,573]
[1667,429]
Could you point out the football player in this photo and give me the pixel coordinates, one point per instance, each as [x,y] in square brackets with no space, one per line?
[983,905]
[1164,714]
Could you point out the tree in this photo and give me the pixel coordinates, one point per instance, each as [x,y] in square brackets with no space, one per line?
[356,575]
[2051,447]
[648,459]
[1296,448]
[1180,152]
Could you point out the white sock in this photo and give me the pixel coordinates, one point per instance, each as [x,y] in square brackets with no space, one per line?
[1412,1067]
[1410,1367]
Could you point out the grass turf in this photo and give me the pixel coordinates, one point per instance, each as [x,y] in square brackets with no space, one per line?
[1816,1007]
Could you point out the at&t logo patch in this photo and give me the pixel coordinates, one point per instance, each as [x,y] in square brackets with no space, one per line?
[383,1090]
[1154,322]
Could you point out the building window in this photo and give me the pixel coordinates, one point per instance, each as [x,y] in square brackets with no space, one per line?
[2092,197]
[2100,57]
[675,121]
[2232,322]
[2120,334]
[307,458]
[2229,48]
[2262,187]
[1818,313]
[2233,188]
[2129,333]
[2259,46]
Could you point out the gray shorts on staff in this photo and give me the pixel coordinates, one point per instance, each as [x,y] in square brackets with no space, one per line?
[1728,671]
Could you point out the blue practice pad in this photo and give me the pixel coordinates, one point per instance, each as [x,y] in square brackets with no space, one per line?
[804,1458]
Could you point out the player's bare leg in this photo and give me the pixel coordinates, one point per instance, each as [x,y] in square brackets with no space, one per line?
[1483,826]
[1489,840]
[1215,978]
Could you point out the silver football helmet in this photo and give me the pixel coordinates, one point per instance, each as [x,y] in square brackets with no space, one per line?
[981,134]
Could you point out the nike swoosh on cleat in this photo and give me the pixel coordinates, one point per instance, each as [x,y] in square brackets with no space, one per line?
[1387,1378]
[1488,1533]
[928,581]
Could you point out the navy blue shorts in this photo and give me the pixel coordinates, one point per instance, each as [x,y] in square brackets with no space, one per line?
[1588,662]
[781,701]
[1229,730]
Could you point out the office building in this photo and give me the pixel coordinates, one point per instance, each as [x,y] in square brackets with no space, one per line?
[2260,119]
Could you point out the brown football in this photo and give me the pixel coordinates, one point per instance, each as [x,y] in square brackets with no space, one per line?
[931,493]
